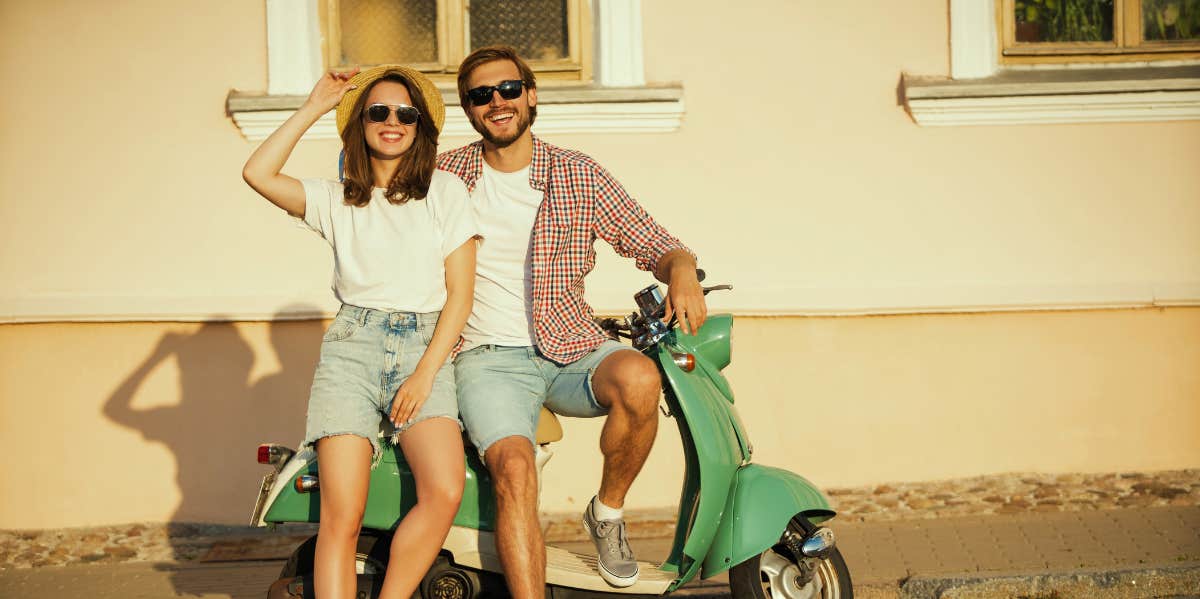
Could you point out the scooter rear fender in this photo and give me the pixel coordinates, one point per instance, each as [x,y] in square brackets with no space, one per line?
[760,504]
[392,492]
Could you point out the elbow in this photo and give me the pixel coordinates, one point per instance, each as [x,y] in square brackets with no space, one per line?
[248,175]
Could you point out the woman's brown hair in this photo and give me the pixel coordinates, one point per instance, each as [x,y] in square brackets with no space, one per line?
[412,177]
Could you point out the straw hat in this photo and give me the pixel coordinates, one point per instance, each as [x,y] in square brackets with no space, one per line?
[429,92]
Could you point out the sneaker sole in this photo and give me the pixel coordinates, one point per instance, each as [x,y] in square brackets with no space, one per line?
[612,579]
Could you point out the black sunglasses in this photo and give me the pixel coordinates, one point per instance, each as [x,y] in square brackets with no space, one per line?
[378,113]
[509,90]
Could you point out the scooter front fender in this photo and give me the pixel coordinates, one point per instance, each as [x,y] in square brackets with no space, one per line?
[760,504]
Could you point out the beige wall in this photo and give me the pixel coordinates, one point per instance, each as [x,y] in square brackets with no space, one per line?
[110,423]
[796,176]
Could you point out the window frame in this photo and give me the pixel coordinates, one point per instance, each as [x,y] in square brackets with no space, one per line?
[1128,43]
[618,101]
[984,90]
[453,42]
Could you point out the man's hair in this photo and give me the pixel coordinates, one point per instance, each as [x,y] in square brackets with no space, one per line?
[485,55]
[413,175]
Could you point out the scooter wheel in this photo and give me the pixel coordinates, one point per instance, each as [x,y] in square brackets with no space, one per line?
[777,574]
[445,581]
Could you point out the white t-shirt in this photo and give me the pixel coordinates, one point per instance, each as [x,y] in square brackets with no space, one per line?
[505,207]
[391,256]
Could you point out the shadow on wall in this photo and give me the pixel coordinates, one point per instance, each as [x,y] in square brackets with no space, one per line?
[222,415]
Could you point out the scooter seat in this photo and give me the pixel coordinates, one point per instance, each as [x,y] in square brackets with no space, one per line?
[548,428]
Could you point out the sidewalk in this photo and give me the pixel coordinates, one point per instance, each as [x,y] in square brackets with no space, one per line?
[1148,548]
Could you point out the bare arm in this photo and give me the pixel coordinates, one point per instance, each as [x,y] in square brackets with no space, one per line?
[262,169]
[460,295]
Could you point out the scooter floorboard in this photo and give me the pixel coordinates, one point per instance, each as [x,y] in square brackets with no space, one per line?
[567,569]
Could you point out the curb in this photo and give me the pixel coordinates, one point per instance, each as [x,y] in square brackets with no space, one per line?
[1174,582]
[1178,582]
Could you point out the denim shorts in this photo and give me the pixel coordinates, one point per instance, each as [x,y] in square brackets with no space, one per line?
[501,389]
[365,356]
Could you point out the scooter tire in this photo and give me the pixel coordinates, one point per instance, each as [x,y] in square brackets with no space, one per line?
[755,578]
[372,548]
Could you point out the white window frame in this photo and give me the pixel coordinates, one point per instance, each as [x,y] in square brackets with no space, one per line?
[974,56]
[294,62]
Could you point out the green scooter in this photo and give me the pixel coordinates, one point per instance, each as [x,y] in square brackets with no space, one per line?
[759,523]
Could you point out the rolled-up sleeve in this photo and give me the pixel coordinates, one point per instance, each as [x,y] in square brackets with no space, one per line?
[631,231]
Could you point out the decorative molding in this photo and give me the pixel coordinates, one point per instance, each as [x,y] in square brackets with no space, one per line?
[293,46]
[1075,108]
[749,301]
[973,51]
[619,43]
[560,110]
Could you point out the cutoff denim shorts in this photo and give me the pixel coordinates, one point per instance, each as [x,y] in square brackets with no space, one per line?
[365,356]
[501,389]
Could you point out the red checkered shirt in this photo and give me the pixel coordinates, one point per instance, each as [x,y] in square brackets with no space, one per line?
[582,202]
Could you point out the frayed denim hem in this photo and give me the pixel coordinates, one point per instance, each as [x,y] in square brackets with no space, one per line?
[376,449]
[395,436]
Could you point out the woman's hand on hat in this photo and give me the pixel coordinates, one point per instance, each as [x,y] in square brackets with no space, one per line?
[330,89]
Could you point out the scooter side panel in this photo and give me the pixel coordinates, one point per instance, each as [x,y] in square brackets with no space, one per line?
[761,502]
[717,450]
[392,492]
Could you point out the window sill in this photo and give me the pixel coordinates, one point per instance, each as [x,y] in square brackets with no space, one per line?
[568,109]
[1017,97]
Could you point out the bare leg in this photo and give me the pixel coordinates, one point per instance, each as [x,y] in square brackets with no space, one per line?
[344,469]
[518,533]
[628,384]
[434,450]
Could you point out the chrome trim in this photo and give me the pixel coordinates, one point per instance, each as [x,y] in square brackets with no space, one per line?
[818,543]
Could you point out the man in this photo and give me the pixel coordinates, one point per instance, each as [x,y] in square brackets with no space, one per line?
[530,338]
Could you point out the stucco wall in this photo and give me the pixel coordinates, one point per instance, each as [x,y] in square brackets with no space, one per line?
[796,176]
[110,423]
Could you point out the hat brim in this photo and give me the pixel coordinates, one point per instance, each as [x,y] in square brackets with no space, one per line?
[429,93]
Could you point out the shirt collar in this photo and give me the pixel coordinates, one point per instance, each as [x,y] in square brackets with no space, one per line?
[539,166]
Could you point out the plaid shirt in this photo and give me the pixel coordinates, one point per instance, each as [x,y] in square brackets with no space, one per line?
[582,202]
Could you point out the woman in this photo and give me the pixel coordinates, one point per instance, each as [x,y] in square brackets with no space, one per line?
[404,250]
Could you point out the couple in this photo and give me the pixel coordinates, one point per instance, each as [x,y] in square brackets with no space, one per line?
[482,249]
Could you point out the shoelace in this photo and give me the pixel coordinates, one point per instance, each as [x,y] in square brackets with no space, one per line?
[617,543]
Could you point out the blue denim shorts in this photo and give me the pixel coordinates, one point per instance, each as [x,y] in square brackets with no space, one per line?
[501,389]
[365,356]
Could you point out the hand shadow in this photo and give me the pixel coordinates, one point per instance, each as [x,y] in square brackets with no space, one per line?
[221,418]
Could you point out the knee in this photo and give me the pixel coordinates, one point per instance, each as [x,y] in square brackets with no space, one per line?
[444,493]
[341,524]
[638,386]
[513,469]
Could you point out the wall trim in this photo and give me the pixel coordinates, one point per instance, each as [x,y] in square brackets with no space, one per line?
[766,302]
[1071,108]
[973,50]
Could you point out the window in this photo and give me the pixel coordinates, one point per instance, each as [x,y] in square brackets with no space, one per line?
[615,99]
[435,35]
[988,86]
[1060,31]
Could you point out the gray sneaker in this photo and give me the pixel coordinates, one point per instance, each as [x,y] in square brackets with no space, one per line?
[617,565]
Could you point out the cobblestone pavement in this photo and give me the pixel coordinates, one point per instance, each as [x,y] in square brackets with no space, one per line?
[1003,494]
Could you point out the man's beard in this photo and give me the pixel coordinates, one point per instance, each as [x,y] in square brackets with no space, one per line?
[524,122]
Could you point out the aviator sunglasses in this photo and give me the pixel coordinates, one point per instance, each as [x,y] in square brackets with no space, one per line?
[378,113]
[509,90]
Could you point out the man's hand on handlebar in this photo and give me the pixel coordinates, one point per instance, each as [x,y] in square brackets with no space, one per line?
[685,296]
